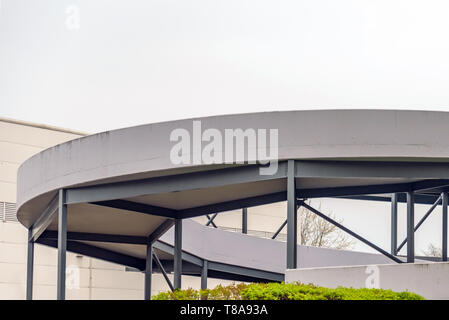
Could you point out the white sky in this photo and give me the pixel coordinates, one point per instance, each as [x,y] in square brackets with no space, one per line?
[134,62]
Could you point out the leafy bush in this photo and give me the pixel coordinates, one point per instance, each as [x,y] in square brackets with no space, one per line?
[283,291]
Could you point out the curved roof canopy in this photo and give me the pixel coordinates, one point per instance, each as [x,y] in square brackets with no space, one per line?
[125,182]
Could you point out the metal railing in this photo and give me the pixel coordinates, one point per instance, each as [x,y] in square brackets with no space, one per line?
[256,233]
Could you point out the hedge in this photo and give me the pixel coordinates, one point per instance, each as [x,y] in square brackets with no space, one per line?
[283,291]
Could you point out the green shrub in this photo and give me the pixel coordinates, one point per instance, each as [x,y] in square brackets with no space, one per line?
[283,291]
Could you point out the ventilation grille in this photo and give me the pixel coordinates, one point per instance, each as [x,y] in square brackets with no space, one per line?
[8,212]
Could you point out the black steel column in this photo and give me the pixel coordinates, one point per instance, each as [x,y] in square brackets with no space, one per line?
[292,223]
[62,244]
[30,266]
[148,272]
[204,275]
[394,223]
[177,267]
[444,203]
[410,227]
[245,220]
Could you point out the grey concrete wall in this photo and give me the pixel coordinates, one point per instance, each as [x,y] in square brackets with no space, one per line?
[258,253]
[427,279]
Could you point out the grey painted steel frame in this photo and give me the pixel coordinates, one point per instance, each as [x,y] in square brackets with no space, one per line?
[189,181]
[62,244]
[352,233]
[148,271]
[290,170]
[30,265]
[426,215]
[204,272]
[164,273]
[444,200]
[245,220]
[410,227]
[211,220]
[177,272]
[394,224]
[292,223]
[45,218]
[372,169]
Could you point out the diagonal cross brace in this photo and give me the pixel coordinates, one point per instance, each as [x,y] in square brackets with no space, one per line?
[352,233]
[211,220]
[421,221]
[161,267]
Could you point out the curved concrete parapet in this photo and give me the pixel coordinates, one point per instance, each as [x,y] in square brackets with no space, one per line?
[144,151]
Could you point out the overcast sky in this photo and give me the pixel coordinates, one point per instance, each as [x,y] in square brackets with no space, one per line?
[95,65]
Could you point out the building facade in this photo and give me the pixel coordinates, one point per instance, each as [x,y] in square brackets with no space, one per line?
[87,278]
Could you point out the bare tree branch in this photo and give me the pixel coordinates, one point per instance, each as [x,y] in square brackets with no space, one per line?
[318,232]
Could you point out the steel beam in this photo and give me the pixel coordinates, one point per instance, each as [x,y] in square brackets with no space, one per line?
[402,198]
[44,220]
[98,253]
[292,223]
[138,207]
[368,189]
[161,268]
[177,266]
[243,271]
[394,224]
[164,227]
[352,233]
[444,204]
[204,275]
[211,220]
[233,205]
[245,220]
[30,266]
[62,244]
[420,222]
[148,272]
[174,183]
[96,237]
[279,230]
[371,169]
[162,246]
[410,227]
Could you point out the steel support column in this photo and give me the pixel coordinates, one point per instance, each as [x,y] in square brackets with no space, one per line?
[30,265]
[292,221]
[245,220]
[394,223]
[148,272]
[204,275]
[435,204]
[177,267]
[444,203]
[62,244]
[410,227]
